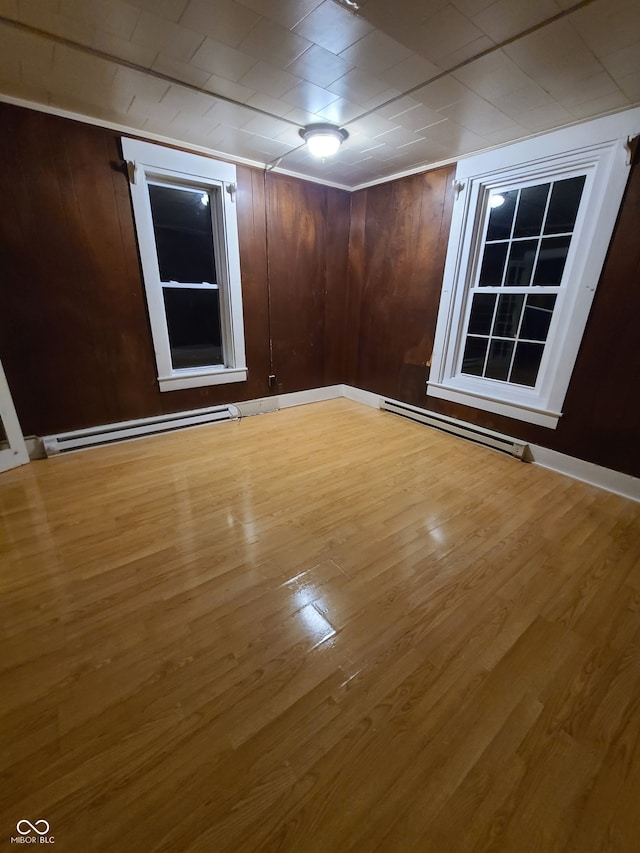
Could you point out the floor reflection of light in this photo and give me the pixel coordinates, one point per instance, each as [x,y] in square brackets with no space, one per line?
[314,622]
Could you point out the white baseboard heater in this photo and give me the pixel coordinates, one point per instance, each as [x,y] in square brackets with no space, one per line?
[110,433]
[461,428]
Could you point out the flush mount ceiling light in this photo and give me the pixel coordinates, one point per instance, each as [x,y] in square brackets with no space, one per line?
[323,140]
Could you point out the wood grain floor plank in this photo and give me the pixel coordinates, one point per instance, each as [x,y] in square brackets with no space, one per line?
[321,629]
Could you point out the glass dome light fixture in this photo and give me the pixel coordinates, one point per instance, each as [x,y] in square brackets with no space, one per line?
[496,200]
[323,140]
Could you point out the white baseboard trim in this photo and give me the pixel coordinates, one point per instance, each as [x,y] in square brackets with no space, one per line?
[285,401]
[587,472]
[315,395]
[367,398]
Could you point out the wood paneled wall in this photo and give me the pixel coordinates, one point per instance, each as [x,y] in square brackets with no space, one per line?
[399,233]
[74,333]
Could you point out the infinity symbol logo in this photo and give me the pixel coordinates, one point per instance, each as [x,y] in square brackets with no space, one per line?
[32,827]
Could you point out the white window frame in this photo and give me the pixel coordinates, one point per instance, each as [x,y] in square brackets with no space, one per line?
[150,163]
[597,149]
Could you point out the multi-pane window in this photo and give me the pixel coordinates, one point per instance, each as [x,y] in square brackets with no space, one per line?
[183,233]
[185,219]
[519,275]
[530,230]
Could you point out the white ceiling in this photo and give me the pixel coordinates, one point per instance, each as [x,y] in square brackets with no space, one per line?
[242,76]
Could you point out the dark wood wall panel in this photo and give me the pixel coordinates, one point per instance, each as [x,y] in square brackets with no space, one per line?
[399,233]
[75,339]
[308,242]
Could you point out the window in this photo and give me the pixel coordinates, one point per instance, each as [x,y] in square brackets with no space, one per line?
[530,230]
[185,218]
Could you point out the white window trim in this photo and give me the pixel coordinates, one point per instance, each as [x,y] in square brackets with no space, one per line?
[599,148]
[147,161]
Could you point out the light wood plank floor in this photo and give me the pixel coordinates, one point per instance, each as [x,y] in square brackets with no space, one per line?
[320,630]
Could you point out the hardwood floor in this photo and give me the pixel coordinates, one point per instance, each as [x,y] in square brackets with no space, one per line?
[320,630]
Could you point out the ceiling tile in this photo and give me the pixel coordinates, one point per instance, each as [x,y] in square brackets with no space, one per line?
[44,16]
[492,76]
[273,43]
[222,60]
[112,16]
[442,34]
[528,97]
[478,115]
[441,93]
[170,10]
[340,111]
[228,89]
[176,42]
[309,97]
[506,18]
[419,118]
[398,136]
[608,27]
[607,103]
[287,13]
[319,66]
[182,99]
[269,80]
[332,27]
[182,71]
[410,72]
[630,86]
[622,62]
[358,86]
[9,8]
[143,86]
[544,118]
[224,20]
[376,52]
[270,105]
[124,49]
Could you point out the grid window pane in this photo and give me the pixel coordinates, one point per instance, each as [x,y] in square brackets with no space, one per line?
[184,235]
[499,359]
[481,313]
[537,317]
[193,322]
[551,261]
[474,354]
[501,217]
[508,316]
[563,205]
[526,363]
[493,265]
[521,260]
[533,201]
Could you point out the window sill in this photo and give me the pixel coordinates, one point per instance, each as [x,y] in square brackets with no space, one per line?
[201,378]
[518,411]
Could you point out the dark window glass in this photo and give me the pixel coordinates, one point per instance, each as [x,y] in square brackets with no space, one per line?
[531,206]
[551,260]
[563,206]
[481,313]
[520,264]
[499,360]
[184,237]
[474,353]
[501,218]
[537,316]
[193,321]
[493,265]
[526,363]
[508,316]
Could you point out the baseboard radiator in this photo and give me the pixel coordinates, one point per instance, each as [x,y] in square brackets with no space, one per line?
[487,437]
[110,433]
